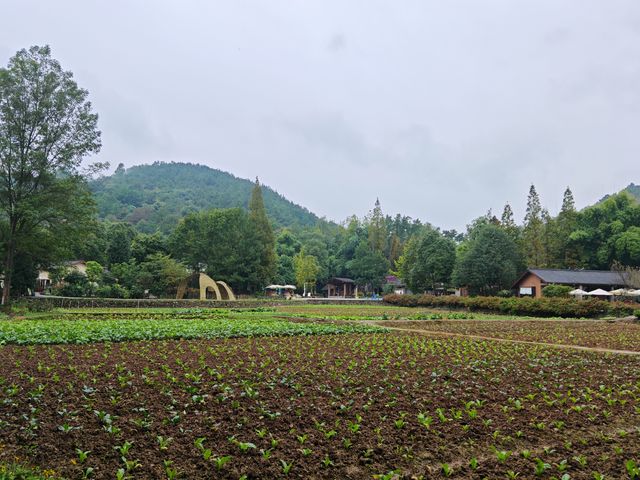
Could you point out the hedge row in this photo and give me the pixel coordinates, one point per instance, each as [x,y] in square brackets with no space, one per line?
[535,307]
[49,302]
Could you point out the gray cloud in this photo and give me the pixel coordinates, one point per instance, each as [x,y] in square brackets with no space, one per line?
[441,109]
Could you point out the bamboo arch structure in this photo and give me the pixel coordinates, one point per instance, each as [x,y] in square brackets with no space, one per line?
[206,283]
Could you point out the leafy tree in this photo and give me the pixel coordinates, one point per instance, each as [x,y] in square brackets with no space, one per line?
[428,260]
[627,246]
[368,266]
[160,275]
[144,244]
[75,284]
[306,269]
[287,244]
[46,128]
[318,244]
[126,275]
[222,243]
[286,271]
[120,236]
[488,262]
[264,235]
[604,233]
[94,272]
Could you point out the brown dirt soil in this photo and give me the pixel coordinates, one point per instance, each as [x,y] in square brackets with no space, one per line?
[584,333]
[361,404]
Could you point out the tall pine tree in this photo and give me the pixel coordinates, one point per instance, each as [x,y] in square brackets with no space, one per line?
[533,245]
[265,238]
[508,223]
[566,222]
[377,229]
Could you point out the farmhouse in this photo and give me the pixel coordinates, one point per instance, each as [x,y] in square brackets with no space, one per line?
[340,287]
[43,282]
[534,280]
[396,285]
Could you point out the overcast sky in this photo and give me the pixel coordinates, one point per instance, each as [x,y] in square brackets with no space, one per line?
[442,109]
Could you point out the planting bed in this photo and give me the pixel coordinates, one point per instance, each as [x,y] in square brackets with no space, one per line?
[586,333]
[86,328]
[335,406]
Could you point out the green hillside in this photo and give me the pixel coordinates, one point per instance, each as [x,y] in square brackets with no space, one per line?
[154,197]
[632,189]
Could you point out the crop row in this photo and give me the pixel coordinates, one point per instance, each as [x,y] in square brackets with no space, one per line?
[342,406]
[84,330]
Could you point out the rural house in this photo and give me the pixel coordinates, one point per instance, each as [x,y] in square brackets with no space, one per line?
[534,280]
[340,287]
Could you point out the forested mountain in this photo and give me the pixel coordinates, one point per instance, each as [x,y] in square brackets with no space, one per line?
[632,189]
[154,197]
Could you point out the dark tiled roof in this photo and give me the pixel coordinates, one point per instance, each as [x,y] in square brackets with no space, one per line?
[579,277]
[340,280]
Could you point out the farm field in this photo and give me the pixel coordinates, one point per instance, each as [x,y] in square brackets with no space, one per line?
[354,403]
[585,333]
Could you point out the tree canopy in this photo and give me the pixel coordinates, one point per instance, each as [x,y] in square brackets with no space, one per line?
[47,127]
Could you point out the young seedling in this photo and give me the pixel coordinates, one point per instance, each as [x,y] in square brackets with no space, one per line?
[82,455]
[220,462]
[326,461]
[286,467]
[124,448]
[163,442]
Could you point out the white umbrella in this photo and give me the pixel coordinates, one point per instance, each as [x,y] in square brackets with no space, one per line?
[599,293]
[577,291]
[619,292]
[634,293]
[289,287]
[273,287]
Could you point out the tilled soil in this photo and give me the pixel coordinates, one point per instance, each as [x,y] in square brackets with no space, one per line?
[584,333]
[346,406]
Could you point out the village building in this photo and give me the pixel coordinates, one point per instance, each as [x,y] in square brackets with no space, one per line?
[534,280]
[395,285]
[340,287]
[44,282]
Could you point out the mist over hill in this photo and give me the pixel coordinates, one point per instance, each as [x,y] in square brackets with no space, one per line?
[155,197]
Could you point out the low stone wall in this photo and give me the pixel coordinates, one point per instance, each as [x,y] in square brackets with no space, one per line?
[49,302]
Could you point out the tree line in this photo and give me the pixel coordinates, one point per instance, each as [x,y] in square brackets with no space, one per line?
[48,215]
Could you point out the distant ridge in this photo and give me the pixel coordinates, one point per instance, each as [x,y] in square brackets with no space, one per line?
[155,197]
[632,189]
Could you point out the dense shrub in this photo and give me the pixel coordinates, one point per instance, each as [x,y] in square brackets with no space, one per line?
[637,313]
[556,291]
[535,307]
[505,293]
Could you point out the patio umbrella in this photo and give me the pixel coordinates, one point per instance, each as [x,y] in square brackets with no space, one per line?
[599,293]
[577,291]
[619,292]
[289,287]
[273,287]
[634,293]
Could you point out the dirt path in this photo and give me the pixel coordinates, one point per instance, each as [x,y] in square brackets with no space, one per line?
[506,340]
